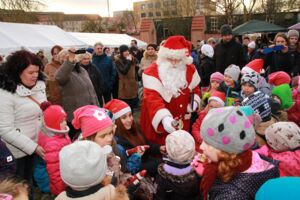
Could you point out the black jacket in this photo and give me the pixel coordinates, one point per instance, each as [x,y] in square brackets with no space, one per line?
[243,186]
[207,67]
[177,187]
[229,53]
[279,61]
[96,78]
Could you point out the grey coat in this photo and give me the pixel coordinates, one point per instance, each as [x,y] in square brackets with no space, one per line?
[76,88]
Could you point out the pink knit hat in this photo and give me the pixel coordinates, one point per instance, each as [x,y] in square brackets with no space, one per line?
[91,119]
[217,76]
[117,107]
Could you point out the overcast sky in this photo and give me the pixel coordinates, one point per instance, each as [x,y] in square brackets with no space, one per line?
[88,6]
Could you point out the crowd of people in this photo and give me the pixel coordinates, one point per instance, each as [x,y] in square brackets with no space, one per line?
[219,121]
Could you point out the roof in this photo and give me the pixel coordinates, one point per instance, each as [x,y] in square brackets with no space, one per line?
[295,26]
[257,26]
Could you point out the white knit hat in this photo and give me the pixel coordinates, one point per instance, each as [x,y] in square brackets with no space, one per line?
[83,164]
[252,45]
[207,50]
[180,147]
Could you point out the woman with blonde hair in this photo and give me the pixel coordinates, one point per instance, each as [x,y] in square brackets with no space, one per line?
[231,169]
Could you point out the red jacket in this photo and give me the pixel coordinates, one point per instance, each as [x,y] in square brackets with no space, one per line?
[158,103]
[52,146]
[196,129]
[294,111]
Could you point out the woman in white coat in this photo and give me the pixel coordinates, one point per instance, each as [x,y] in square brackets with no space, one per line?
[22,89]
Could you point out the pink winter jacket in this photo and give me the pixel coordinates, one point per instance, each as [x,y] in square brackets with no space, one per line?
[289,164]
[52,146]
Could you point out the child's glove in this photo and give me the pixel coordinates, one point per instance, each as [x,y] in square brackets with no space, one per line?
[142,148]
[198,162]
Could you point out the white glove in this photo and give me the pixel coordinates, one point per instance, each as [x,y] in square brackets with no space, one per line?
[167,124]
[195,106]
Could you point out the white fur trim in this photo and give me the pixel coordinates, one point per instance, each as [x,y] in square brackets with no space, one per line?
[153,83]
[158,117]
[189,60]
[122,112]
[172,53]
[246,70]
[197,99]
[220,101]
[55,131]
[195,81]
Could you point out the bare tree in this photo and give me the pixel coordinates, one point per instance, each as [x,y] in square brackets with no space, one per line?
[178,8]
[227,8]
[19,10]
[248,8]
[93,26]
[272,7]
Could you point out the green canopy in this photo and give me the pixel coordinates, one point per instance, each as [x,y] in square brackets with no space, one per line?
[256,26]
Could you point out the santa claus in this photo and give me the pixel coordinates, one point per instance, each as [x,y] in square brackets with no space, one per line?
[171,91]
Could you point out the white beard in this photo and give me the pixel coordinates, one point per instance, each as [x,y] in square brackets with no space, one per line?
[173,77]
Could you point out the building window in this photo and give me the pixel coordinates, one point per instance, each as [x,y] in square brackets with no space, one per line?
[143,15]
[150,5]
[158,14]
[173,2]
[213,23]
[166,2]
[157,5]
[166,13]
[150,14]
[174,12]
[143,6]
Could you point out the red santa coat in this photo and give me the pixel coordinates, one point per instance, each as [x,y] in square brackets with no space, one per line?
[159,103]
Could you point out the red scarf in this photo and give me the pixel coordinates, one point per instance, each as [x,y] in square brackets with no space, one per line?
[210,172]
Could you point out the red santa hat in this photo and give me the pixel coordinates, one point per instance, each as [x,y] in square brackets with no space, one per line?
[176,47]
[279,78]
[219,97]
[53,115]
[117,107]
[91,119]
[255,65]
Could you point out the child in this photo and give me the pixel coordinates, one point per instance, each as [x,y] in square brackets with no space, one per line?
[256,66]
[83,166]
[96,126]
[216,100]
[53,137]
[176,178]
[294,111]
[231,170]
[129,136]
[282,95]
[283,140]
[253,97]
[230,86]
[215,80]
[279,78]
[13,190]
[207,65]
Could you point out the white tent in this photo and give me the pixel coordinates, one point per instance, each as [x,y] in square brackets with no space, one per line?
[107,39]
[14,36]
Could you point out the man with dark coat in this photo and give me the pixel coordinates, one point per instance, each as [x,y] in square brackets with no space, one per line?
[228,51]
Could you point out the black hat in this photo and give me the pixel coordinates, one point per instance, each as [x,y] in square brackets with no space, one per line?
[123,48]
[225,30]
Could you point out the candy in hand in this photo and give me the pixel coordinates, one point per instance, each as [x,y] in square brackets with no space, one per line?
[129,152]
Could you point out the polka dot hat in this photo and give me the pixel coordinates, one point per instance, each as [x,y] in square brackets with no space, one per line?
[228,129]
